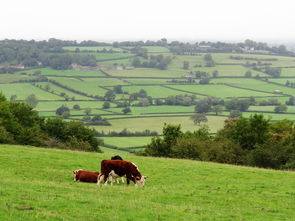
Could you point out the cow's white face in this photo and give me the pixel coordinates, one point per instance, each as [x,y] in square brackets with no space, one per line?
[140,180]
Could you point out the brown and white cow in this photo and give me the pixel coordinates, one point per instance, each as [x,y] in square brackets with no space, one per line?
[85,176]
[121,168]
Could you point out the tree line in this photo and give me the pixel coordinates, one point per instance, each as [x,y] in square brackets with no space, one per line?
[19,124]
[253,141]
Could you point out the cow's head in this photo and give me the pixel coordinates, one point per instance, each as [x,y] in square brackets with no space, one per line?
[76,172]
[140,180]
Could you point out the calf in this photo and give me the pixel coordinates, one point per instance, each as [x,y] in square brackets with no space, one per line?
[85,176]
[121,168]
[117,157]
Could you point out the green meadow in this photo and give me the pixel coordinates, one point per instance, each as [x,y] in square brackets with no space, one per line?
[126,142]
[37,184]
[157,123]
[23,90]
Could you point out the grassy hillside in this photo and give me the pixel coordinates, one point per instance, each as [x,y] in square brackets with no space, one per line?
[37,184]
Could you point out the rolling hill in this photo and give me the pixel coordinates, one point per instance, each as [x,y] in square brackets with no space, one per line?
[37,184]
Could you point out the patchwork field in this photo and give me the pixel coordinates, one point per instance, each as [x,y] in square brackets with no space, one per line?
[37,184]
[230,82]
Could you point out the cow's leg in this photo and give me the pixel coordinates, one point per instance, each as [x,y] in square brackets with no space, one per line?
[99,178]
[122,179]
[129,177]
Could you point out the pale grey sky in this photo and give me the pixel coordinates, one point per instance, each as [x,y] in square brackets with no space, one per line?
[110,20]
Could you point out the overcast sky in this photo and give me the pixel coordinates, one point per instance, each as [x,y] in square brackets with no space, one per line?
[110,20]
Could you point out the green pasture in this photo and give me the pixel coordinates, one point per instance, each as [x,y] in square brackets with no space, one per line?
[92,48]
[254,84]
[111,151]
[23,90]
[149,81]
[37,184]
[58,90]
[126,142]
[156,123]
[291,109]
[147,72]
[104,81]
[156,49]
[230,70]
[71,72]
[282,100]
[157,109]
[282,61]
[154,91]
[43,106]
[222,91]
[177,62]
[288,72]
[89,87]
[93,112]
[10,78]
[282,80]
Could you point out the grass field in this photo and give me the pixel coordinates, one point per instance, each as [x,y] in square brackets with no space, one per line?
[9,78]
[222,91]
[156,123]
[255,84]
[154,91]
[37,184]
[147,72]
[291,109]
[157,109]
[43,106]
[72,72]
[23,90]
[156,49]
[89,87]
[125,142]
[58,90]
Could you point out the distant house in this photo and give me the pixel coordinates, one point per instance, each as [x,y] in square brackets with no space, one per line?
[189,75]
[278,91]
[17,67]
[129,68]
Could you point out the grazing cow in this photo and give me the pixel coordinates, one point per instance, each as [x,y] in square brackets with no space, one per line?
[85,176]
[117,157]
[121,168]
[112,175]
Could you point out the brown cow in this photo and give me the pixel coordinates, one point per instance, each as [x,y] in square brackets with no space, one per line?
[85,176]
[121,168]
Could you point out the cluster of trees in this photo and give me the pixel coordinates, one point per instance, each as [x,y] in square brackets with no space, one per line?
[252,58]
[291,101]
[273,71]
[154,61]
[209,60]
[126,133]
[290,84]
[247,46]
[253,141]
[19,124]
[96,120]
[41,53]
[183,100]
